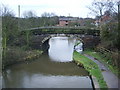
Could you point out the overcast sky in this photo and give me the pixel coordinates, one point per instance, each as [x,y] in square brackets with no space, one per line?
[77,8]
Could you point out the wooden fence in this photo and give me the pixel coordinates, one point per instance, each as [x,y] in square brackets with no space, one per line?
[111,57]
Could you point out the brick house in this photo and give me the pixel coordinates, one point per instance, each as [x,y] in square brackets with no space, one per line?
[103,20]
[65,21]
[106,19]
[74,21]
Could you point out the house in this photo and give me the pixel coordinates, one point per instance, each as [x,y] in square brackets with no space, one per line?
[75,21]
[65,21]
[104,19]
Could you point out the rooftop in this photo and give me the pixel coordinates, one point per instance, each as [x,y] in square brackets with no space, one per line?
[68,18]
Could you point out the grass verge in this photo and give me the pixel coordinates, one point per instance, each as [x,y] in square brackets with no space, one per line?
[91,67]
[104,60]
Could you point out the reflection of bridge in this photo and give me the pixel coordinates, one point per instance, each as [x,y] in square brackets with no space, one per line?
[64,30]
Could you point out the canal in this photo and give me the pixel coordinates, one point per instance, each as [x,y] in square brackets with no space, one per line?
[54,69]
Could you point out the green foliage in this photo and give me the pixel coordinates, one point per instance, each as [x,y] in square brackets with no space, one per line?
[16,55]
[89,23]
[9,30]
[15,45]
[109,35]
[91,67]
[33,22]
[28,36]
[105,60]
[74,24]
[77,43]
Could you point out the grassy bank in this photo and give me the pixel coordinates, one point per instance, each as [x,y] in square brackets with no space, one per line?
[104,60]
[16,55]
[91,67]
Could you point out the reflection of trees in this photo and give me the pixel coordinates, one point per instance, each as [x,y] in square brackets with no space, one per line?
[13,79]
[52,40]
[71,41]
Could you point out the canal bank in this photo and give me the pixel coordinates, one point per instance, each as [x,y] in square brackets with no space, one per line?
[91,67]
[111,79]
[17,55]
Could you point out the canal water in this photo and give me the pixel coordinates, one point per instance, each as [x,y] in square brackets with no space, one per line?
[61,49]
[52,70]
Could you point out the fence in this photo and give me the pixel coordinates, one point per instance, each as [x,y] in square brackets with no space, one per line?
[110,56]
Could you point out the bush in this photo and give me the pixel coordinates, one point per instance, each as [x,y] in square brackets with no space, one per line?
[17,55]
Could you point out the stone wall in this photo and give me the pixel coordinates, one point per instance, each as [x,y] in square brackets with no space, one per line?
[90,41]
[41,41]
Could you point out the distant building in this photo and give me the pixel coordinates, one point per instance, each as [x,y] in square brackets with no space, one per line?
[75,21]
[65,21]
[103,20]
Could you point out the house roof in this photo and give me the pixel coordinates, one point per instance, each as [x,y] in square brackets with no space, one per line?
[68,18]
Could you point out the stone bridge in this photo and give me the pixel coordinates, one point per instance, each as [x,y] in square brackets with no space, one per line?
[41,35]
[41,41]
[64,30]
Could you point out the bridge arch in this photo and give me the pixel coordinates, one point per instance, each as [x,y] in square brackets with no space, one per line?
[41,41]
[60,35]
[45,41]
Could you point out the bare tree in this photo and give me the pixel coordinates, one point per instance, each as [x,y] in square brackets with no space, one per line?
[9,27]
[99,7]
[45,14]
[29,14]
[5,11]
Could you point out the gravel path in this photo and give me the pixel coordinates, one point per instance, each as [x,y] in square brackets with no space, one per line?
[110,78]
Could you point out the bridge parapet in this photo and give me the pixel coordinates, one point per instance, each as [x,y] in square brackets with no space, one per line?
[64,30]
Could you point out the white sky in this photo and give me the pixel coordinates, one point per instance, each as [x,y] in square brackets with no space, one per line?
[77,8]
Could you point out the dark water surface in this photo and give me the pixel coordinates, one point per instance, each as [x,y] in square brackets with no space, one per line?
[46,73]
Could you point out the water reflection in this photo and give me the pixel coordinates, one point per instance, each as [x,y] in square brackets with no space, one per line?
[48,81]
[79,47]
[45,73]
[61,49]
[34,74]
